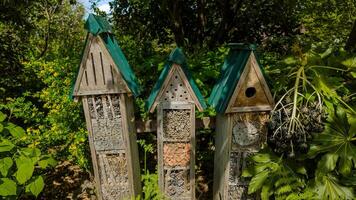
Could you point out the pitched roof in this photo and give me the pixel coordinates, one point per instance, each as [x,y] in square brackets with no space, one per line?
[176,57]
[99,27]
[231,71]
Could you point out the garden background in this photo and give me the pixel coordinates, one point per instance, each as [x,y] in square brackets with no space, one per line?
[306,47]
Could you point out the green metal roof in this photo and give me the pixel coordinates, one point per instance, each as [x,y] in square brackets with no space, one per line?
[176,57]
[96,25]
[99,27]
[231,71]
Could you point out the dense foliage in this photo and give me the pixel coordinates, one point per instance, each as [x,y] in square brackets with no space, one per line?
[307,48]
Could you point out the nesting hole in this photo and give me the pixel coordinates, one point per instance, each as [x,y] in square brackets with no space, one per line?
[250,92]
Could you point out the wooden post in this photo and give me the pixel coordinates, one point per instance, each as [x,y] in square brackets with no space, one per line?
[106,85]
[175,96]
[242,100]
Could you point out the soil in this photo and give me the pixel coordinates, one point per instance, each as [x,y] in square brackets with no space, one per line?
[68,181]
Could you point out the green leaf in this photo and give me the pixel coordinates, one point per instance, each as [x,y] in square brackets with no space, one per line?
[265,193]
[15,131]
[1,127]
[31,152]
[261,158]
[36,186]
[257,181]
[345,166]
[6,145]
[337,142]
[329,188]
[5,164]
[301,170]
[326,53]
[47,160]
[8,187]
[350,63]
[2,117]
[25,168]
[328,162]
[290,60]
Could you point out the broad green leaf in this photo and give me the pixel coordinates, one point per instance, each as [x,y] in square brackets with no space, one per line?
[2,117]
[8,187]
[1,127]
[15,131]
[6,145]
[25,168]
[328,162]
[257,181]
[329,188]
[31,152]
[36,186]
[345,166]
[336,139]
[5,165]
[47,161]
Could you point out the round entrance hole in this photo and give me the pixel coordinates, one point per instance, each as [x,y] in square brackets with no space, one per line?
[250,92]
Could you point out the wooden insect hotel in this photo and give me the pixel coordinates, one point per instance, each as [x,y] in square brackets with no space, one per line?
[175,96]
[242,100]
[106,85]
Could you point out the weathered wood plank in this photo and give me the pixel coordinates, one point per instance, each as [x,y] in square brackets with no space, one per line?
[150,125]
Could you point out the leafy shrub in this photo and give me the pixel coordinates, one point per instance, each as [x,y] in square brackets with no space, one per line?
[21,166]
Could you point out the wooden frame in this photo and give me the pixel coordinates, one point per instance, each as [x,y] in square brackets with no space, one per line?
[250,65]
[176,67]
[119,86]
[130,144]
[161,140]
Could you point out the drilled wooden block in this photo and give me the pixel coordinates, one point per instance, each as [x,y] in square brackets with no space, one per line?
[177,124]
[176,154]
[176,90]
[177,184]
[113,175]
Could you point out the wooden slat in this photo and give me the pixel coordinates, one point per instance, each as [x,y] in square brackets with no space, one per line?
[92,147]
[149,126]
[128,130]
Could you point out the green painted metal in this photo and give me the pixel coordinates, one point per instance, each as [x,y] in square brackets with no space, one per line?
[231,71]
[177,57]
[96,25]
[99,27]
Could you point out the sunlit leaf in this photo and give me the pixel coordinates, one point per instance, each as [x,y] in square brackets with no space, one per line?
[5,165]
[25,168]
[15,131]
[6,145]
[8,187]
[36,186]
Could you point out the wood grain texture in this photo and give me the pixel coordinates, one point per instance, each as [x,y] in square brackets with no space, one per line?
[98,73]
[91,145]
[251,78]
[176,155]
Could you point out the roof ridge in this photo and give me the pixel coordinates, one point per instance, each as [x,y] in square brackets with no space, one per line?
[96,24]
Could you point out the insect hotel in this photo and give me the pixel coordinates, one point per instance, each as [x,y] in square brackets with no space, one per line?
[242,100]
[105,83]
[175,96]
